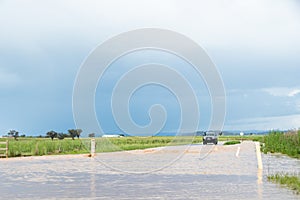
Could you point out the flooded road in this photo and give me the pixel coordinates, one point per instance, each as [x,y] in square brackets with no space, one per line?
[182,172]
[278,163]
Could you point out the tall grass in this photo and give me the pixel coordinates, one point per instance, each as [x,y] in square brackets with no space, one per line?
[290,180]
[45,146]
[38,147]
[286,143]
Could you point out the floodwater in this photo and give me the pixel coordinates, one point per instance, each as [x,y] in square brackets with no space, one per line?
[278,163]
[195,172]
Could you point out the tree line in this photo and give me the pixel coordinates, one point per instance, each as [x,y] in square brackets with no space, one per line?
[72,133]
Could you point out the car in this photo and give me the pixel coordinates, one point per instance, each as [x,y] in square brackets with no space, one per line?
[211,137]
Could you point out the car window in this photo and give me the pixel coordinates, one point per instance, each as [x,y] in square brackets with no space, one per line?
[210,134]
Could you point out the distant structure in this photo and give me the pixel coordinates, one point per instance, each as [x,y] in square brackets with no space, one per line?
[113,135]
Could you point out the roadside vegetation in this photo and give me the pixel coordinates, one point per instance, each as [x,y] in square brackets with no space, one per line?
[232,142]
[47,146]
[282,142]
[286,143]
[289,180]
[43,146]
[241,138]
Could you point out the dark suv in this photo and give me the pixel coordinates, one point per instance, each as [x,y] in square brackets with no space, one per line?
[210,137]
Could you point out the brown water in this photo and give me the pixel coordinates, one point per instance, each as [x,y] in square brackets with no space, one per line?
[278,163]
[201,172]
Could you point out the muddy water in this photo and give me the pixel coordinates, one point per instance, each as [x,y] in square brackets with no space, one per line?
[278,163]
[201,172]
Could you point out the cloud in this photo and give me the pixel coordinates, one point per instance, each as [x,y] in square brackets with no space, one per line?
[282,91]
[274,26]
[298,105]
[294,92]
[43,45]
[265,123]
[233,25]
[40,23]
[8,79]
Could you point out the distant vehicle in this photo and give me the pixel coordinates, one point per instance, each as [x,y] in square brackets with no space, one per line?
[211,137]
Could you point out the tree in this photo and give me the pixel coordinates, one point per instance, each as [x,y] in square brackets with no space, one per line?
[61,136]
[92,135]
[14,134]
[79,131]
[52,134]
[72,133]
[75,133]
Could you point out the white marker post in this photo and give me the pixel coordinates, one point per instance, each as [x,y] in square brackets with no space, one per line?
[258,155]
[259,164]
[93,147]
[238,151]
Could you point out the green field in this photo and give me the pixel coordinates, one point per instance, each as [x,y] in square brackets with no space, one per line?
[45,146]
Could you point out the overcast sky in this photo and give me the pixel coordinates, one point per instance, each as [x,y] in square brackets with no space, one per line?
[255,45]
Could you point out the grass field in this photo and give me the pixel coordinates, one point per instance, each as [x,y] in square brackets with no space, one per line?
[45,146]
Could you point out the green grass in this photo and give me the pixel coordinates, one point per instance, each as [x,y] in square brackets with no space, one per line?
[286,143]
[41,146]
[289,180]
[241,138]
[45,146]
[232,142]
[132,143]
